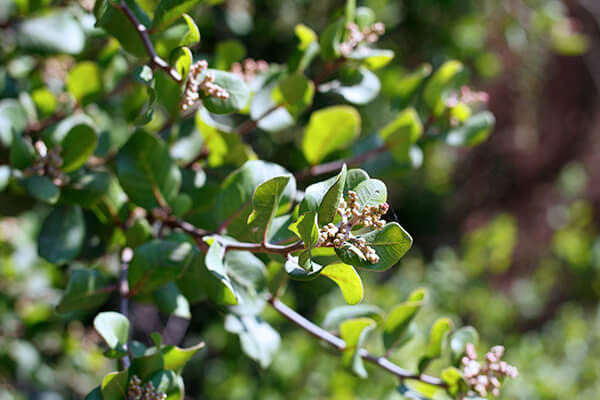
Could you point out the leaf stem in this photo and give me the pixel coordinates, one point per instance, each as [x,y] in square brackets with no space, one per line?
[340,345]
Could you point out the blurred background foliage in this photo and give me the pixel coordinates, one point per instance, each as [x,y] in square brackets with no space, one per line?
[506,234]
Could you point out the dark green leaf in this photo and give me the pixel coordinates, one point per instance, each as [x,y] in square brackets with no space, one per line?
[42,188]
[77,146]
[265,204]
[239,94]
[62,234]
[168,11]
[331,39]
[86,290]
[22,153]
[87,190]
[170,300]
[331,200]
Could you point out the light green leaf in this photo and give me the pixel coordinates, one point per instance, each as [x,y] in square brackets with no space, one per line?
[146,366]
[474,131]
[331,199]
[440,84]
[397,322]
[259,340]
[164,381]
[84,291]
[453,377]
[437,337]
[402,133]
[390,244]
[181,59]
[296,93]
[114,385]
[305,35]
[340,314]
[302,268]
[12,118]
[214,263]
[354,332]
[330,129]
[114,329]
[371,192]
[146,171]
[239,94]
[265,204]
[168,11]
[346,277]
[306,228]
[175,357]
[62,234]
[84,81]
[184,33]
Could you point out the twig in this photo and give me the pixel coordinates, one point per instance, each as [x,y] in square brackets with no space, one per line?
[251,124]
[155,60]
[333,166]
[126,257]
[340,345]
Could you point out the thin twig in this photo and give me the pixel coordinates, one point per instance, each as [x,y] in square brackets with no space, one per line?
[340,345]
[155,60]
[126,257]
[251,124]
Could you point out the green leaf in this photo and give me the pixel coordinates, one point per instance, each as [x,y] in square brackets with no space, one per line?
[305,35]
[77,146]
[62,234]
[373,59]
[396,324]
[332,198]
[474,131]
[45,101]
[12,118]
[354,332]
[114,385]
[84,82]
[157,263]
[181,59]
[4,176]
[259,340]
[329,129]
[87,190]
[390,244]
[164,381]
[340,314]
[84,291]
[459,341]
[331,39]
[437,337]
[265,204]
[147,366]
[296,93]
[171,301]
[185,33]
[371,192]
[95,394]
[175,357]
[440,84]
[360,87]
[115,23]
[168,11]
[346,277]
[22,153]
[306,228]
[227,52]
[239,94]
[302,268]
[57,32]
[41,188]
[114,329]
[454,379]
[402,133]
[146,171]
[364,17]
[214,263]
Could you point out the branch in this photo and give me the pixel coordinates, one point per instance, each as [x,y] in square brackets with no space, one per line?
[155,60]
[340,345]
[126,257]
[251,124]
[336,165]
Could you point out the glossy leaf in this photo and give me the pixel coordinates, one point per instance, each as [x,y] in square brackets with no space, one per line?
[114,385]
[346,277]
[41,188]
[77,146]
[331,199]
[56,32]
[114,329]
[258,339]
[474,131]
[175,357]
[214,263]
[85,81]
[265,204]
[169,300]
[22,153]
[168,11]
[398,320]
[12,118]
[360,88]
[390,244]
[239,94]
[371,192]
[331,39]
[306,228]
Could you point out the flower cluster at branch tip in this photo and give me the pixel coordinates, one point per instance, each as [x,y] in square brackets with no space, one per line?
[248,68]
[369,34]
[467,96]
[486,378]
[47,163]
[352,215]
[135,390]
[207,85]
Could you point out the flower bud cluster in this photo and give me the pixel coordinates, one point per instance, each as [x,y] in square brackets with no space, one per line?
[248,68]
[486,378]
[135,390]
[467,96]
[207,85]
[332,235]
[356,37]
[47,163]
